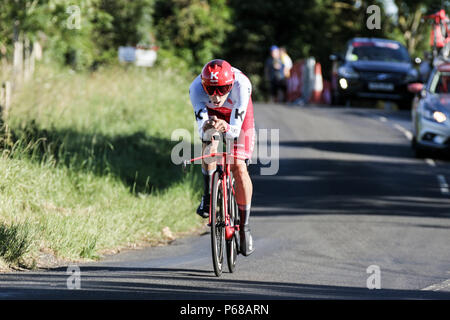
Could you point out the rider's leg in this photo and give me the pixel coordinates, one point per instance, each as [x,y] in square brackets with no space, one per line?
[244,190]
[244,187]
[208,168]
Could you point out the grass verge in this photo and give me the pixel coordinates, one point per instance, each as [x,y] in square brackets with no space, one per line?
[88,167]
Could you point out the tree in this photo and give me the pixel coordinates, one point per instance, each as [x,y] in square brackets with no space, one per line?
[193,29]
[408,26]
[409,22]
[129,23]
[308,28]
[77,32]
[18,17]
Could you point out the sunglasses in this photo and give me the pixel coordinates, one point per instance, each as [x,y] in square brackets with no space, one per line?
[217,90]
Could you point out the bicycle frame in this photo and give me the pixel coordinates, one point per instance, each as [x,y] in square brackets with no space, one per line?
[439,20]
[439,35]
[224,162]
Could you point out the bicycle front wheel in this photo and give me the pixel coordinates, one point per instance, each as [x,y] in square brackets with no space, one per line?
[233,213]
[217,224]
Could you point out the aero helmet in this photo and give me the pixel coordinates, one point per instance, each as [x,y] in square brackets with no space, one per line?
[217,77]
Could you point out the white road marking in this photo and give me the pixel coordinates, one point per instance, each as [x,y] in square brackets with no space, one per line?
[430,162]
[443,184]
[439,286]
[406,132]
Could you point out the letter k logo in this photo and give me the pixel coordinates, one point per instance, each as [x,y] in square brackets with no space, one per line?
[198,115]
[214,75]
[239,114]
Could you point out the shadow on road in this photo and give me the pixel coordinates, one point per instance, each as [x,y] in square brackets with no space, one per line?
[334,186]
[173,284]
[365,148]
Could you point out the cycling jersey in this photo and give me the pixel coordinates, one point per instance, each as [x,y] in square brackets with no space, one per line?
[237,111]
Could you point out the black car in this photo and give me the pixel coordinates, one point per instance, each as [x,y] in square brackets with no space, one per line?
[373,68]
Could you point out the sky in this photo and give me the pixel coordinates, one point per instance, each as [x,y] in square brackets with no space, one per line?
[390,7]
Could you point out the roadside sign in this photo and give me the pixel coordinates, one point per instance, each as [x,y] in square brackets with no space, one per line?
[139,56]
[145,57]
[127,54]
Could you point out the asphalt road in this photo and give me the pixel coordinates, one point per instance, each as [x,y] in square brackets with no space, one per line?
[348,198]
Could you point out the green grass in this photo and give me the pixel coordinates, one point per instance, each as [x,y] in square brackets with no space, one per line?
[88,167]
[14,242]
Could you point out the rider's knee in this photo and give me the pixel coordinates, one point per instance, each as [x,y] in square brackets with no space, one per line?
[239,170]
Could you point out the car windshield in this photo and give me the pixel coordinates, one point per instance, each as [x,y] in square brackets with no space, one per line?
[440,83]
[378,51]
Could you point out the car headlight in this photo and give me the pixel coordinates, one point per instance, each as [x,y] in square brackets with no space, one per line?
[434,115]
[412,76]
[347,72]
[343,83]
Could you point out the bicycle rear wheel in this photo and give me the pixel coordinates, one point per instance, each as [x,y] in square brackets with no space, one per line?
[217,224]
[232,248]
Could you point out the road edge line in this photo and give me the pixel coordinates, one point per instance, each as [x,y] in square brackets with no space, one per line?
[438,286]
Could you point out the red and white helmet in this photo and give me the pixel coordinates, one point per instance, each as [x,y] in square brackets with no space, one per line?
[217,77]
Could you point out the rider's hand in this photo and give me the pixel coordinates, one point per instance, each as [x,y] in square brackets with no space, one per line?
[220,125]
[209,124]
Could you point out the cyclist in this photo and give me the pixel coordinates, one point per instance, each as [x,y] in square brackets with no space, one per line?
[221,97]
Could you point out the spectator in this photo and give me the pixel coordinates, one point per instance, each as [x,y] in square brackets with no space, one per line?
[274,74]
[287,62]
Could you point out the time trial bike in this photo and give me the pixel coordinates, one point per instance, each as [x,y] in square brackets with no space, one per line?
[223,212]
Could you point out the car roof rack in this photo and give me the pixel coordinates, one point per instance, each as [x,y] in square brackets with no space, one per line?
[369,39]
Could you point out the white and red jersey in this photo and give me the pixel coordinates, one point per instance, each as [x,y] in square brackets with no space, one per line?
[235,109]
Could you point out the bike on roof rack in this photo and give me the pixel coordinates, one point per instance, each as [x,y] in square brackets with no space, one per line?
[439,37]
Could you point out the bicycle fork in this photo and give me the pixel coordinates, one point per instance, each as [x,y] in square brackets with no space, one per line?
[230,226]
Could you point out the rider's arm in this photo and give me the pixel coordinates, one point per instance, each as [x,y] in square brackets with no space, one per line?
[238,114]
[200,110]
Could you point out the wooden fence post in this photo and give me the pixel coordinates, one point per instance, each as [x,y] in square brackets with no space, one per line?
[18,62]
[5,97]
[7,86]
[26,60]
[23,67]
[2,97]
[5,101]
